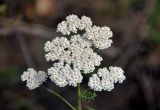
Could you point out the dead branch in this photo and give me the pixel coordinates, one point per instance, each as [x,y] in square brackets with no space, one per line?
[10,26]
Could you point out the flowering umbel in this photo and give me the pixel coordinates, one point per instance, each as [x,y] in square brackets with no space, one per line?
[75,56]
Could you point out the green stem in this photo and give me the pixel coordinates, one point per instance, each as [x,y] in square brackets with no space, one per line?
[58,95]
[79,97]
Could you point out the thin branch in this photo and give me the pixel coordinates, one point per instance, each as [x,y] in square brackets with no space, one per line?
[59,96]
[25,50]
[147,90]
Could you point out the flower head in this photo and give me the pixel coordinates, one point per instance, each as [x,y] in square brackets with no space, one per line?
[62,74]
[33,78]
[75,56]
[99,36]
[105,79]
[73,24]
[76,52]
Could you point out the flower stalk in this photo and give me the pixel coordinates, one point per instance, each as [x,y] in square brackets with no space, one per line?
[79,103]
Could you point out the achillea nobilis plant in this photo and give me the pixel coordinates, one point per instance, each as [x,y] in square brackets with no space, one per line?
[74,55]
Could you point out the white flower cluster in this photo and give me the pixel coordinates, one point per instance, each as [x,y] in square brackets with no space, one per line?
[33,78]
[105,79]
[76,52]
[98,36]
[63,75]
[56,49]
[75,55]
[73,24]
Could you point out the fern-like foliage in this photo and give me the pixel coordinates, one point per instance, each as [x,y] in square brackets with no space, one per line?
[87,96]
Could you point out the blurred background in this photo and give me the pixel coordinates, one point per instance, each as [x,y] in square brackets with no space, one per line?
[25,25]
